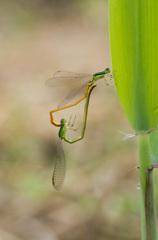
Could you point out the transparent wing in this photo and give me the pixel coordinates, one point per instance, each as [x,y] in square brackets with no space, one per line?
[61,78]
[59,168]
[109,79]
[72,94]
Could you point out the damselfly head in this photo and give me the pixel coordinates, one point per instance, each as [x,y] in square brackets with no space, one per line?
[62,121]
[107,70]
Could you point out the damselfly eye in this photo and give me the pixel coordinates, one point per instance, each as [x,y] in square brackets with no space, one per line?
[107,70]
[62,121]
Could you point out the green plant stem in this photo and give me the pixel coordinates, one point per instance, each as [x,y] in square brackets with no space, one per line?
[150,207]
[147,205]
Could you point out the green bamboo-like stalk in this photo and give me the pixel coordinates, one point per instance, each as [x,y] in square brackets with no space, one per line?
[150,207]
[134,55]
[144,163]
[147,205]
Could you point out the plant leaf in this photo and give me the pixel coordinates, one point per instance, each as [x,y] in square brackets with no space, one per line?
[134,53]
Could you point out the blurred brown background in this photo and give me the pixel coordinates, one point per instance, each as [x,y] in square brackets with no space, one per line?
[99,199]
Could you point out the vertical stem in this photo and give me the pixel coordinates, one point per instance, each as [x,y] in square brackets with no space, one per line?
[148,229]
[150,207]
[144,163]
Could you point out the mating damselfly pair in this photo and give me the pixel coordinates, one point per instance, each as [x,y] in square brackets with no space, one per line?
[88,83]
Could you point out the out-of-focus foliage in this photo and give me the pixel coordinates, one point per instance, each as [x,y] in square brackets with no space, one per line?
[99,196]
